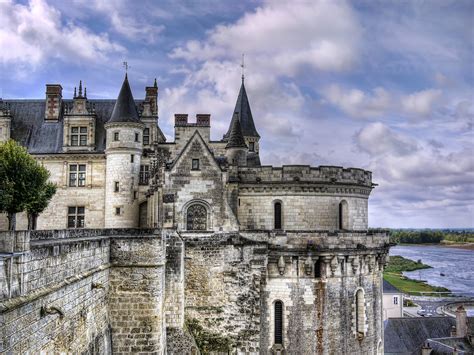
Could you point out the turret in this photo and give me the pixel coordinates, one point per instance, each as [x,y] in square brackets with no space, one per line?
[236,149]
[243,113]
[124,146]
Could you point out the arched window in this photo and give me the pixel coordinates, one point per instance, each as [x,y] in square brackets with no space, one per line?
[360,314]
[343,215]
[277,215]
[278,322]
[196,218]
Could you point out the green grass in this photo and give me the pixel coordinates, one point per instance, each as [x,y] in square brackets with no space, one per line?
[393,274]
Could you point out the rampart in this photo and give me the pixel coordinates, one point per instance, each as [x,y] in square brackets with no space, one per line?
[82,291]
[306,173]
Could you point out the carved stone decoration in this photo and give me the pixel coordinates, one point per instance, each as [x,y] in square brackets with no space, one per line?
[355,265]
[281,265]
[308,266]
[333,264]
[370,262]
[326,261]
[341,259]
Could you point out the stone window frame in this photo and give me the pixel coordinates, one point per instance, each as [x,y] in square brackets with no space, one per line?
[271,329]
[195,164]
[78,136]
[137,137]
[343,215]
[144,174]
[76,215]
[146,136]
[274,202]
[252,146]
[206,205]
[359,314]
[116,136]
[80,176]
[116,186]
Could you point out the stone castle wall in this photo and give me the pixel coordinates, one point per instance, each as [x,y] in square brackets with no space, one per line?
[82,291]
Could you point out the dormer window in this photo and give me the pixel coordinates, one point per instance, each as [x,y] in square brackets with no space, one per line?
[116,136]
[78,136]
[252,146]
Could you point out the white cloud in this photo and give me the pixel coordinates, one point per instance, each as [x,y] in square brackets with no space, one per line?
[284,37]
[32,33]
[421,102]
[356,102]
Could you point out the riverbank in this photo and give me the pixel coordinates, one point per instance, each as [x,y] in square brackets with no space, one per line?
[444,243]
[394,274]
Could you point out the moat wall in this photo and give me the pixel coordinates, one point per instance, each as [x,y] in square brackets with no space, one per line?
[82,292]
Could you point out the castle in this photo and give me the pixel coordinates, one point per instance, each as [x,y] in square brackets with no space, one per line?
[159,247]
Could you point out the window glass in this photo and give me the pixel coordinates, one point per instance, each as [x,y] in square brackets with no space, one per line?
[77,175]
[196,217]
[277,213]
[278,322]
[144,174]
[116,136]
[195,164]
[75,217]
[146,136]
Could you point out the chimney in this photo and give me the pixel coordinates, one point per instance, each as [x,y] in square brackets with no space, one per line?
[426,349]
[180,119]
[461,322]
[151,95]
[53,102]
[203,119]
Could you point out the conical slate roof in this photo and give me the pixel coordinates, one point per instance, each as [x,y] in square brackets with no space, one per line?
[242,108]
[125,109]
[236,138]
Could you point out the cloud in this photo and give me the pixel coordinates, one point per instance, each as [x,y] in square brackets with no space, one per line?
[421,102]
[30,34]
[284,37]
[357,103]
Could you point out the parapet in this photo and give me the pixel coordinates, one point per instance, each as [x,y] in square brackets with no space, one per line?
[306,174]
[202,120]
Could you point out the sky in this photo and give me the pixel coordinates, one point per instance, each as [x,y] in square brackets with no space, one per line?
[385,86]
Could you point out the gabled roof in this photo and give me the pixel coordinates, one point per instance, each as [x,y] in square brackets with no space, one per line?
[236,138]
[244,114]
[125,109]
[407,335]
[389,288]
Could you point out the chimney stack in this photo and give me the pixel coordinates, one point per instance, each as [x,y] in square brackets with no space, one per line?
[54,96]
[461,322]
[151,95]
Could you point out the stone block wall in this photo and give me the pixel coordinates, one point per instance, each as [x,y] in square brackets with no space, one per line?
[137,282]
[174,294]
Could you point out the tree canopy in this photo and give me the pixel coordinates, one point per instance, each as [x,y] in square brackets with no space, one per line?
[24,182]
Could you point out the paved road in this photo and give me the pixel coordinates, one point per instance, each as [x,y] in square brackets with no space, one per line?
[431,305]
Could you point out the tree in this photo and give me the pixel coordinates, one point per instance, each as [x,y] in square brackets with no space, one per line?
[23,183]
[37,206]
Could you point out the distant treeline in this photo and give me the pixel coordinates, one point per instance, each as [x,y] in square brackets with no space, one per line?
[429,236]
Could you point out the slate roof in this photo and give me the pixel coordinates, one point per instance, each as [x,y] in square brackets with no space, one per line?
[447,345]
[407,335]
[236,138]
[29,128]
[242,108]
[389,288]
[125,109]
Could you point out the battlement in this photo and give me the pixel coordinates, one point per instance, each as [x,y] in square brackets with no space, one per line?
[202,120]
[306,173]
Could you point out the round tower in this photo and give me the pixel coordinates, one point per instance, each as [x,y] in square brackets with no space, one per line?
[123,153]
[236,149]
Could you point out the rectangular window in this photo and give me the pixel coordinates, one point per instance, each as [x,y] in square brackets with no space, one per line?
[75,217]
[146,136]
[251,146]
[137,137]
[78,136]
[77,175]
[116,186]
[117,211]
[135,195]
[395,299]
[195,164]
[132,158]
[144,174]
[116,136]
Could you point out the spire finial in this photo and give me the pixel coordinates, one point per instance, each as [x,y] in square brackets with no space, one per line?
[75,95]
[80,88]
[155,84]
[242,65]
[85,92]
[126,66]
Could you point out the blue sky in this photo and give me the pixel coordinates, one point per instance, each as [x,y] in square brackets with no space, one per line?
[381,85]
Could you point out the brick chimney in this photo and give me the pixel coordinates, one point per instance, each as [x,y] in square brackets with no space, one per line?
[54,96]
[461,322]
[203,119]
[180,119]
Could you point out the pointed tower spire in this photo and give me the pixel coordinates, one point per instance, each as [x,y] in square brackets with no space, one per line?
[85,92]
[125,109]
[155,85]
[80,88]
[244,114]
[75,95]
[236,138]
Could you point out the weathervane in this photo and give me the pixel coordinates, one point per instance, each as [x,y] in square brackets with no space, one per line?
[243,67]
[126,66]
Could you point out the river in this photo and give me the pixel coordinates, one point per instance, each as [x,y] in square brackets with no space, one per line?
[456,264]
